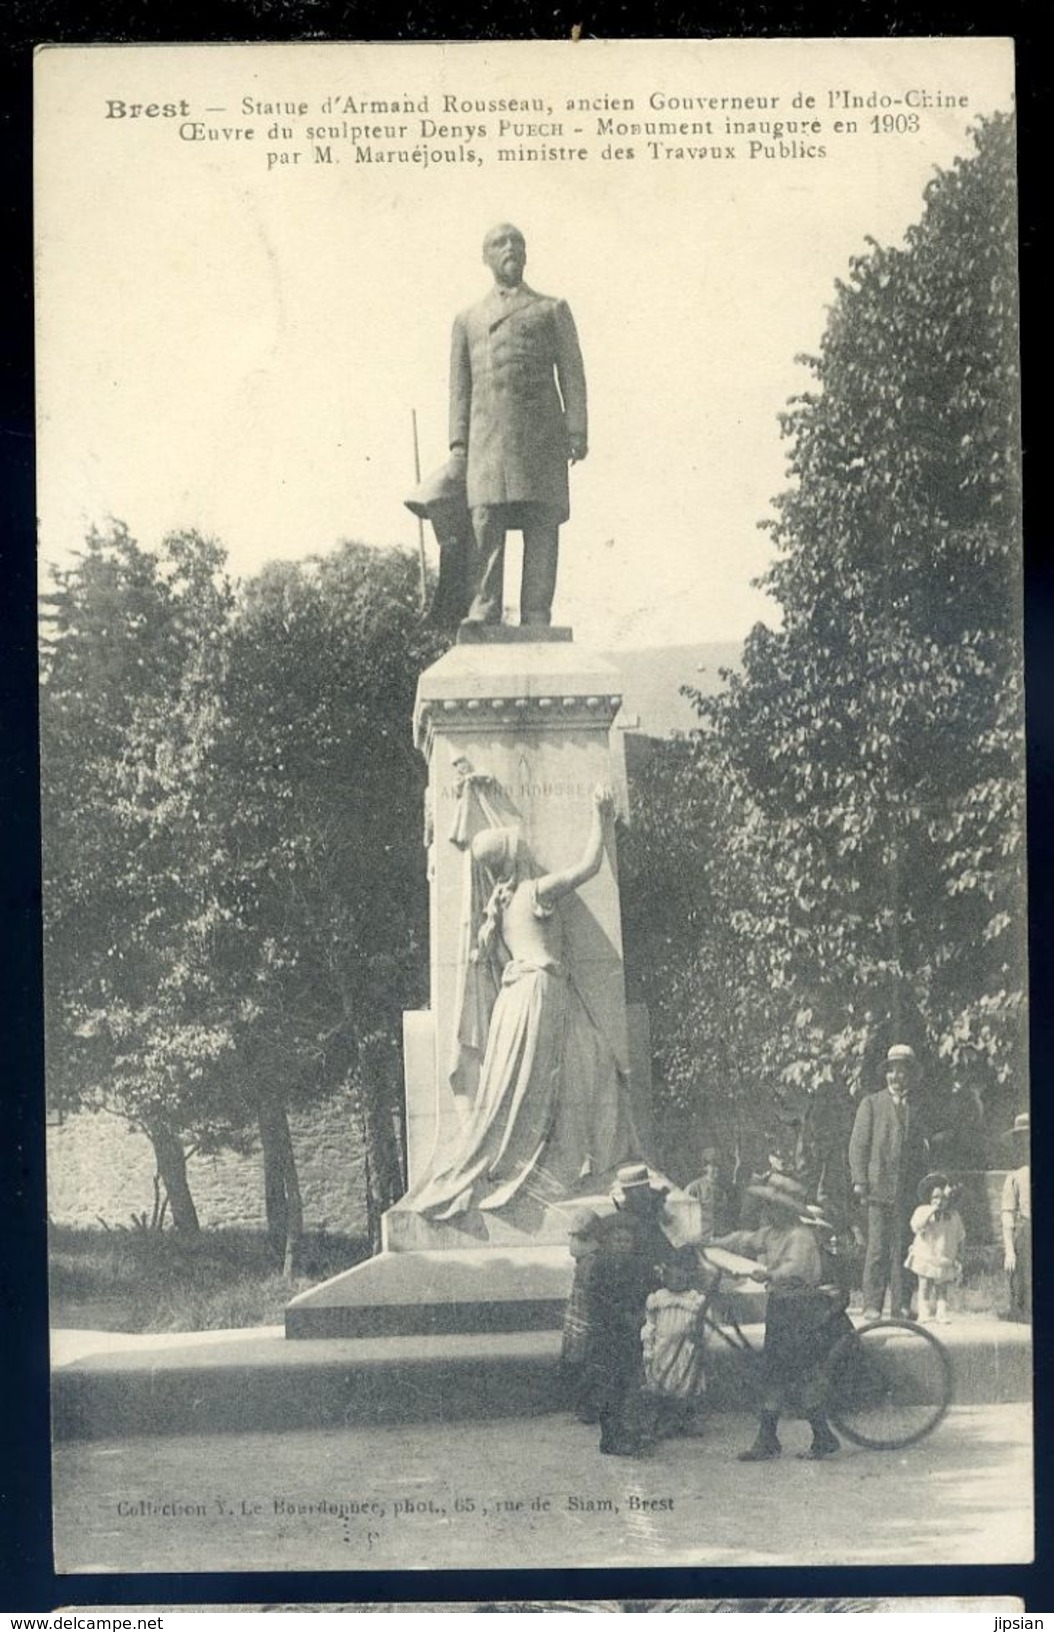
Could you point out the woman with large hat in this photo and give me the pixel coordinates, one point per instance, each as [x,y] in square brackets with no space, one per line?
[802,1322]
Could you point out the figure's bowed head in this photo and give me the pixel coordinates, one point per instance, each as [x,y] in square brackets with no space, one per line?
[500,849]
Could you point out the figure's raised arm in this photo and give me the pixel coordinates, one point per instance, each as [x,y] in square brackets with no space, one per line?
[553,885]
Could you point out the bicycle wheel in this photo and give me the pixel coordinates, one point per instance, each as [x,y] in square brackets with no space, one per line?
[889,1383]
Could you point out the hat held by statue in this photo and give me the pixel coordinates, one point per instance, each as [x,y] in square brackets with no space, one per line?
[443,489]
[780,1190]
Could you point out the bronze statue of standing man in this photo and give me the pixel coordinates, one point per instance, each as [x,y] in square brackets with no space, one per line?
[517,417]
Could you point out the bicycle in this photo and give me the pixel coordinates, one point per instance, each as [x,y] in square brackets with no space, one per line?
[886,1384]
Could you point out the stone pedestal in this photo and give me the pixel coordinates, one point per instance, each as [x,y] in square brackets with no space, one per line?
[516,727]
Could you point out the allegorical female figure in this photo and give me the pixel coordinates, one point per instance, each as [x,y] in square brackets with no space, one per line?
[551,1101]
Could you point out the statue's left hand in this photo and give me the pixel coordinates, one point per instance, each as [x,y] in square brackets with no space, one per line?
[604,799]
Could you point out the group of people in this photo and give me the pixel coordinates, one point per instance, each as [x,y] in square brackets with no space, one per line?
[634,1352]
[889,1148]
[634,1349]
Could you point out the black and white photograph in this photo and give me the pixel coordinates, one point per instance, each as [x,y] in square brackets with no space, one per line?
[533,806]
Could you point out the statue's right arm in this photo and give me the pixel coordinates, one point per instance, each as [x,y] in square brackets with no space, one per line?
[554,885]
[460,388]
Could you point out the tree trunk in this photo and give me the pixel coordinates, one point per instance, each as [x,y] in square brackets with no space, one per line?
[282,1198]
[275,1208]
[384,1179]
[171,1161]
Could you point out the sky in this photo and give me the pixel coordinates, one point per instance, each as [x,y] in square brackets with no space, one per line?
[238,349]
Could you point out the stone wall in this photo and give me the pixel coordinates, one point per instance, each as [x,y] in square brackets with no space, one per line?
[99,1169]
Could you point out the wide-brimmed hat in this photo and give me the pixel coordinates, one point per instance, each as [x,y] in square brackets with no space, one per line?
[930,1183]
[635,1177]
[1020,1129]
[780,1190]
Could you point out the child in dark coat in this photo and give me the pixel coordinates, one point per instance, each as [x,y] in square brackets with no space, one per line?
[633,1247]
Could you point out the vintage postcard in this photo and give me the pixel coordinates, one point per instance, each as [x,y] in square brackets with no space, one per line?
[533,804]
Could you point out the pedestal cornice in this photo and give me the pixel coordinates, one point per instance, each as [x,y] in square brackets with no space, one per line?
[528,686]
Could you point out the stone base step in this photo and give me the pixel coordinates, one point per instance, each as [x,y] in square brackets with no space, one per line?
[430,1293]
[114,1385]
[481,1289]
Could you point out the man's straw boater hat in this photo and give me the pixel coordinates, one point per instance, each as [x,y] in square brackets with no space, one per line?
[901,1051]
[779,1190]
[634,1176]
[1020,1129]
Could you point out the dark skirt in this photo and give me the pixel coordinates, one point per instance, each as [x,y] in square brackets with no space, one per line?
[801,1328]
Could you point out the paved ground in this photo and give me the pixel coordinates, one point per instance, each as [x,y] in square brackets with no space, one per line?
[514,1493]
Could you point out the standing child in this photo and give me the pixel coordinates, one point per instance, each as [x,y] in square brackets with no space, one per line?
[584,1244]
[935,1255]
[672,1345]
[802,1320]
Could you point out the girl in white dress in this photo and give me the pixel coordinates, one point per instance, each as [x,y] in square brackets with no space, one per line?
[672,1345]
[935,1255]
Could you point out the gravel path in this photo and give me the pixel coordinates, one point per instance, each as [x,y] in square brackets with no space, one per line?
[509,1494]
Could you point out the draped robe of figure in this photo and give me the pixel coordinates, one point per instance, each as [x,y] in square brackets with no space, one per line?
[550,1104]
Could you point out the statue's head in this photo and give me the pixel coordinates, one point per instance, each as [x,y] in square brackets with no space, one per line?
[498,849]
[505,252]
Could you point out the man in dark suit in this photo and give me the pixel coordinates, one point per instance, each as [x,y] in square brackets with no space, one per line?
[517,416]
[887,1155]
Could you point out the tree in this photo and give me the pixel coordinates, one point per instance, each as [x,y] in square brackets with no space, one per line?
[128,721]
[698,950]
[842,840]
[233,850]
[325,941]
[879,729]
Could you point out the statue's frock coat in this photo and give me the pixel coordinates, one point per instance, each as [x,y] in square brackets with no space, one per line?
[517,397]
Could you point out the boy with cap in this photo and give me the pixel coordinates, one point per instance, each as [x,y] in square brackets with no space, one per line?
[1016,1217]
